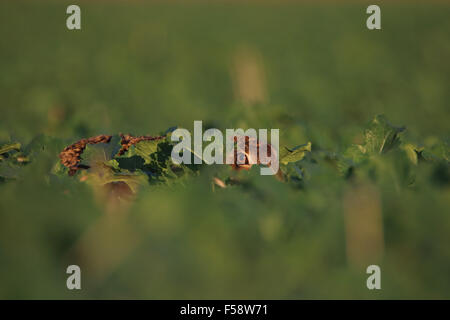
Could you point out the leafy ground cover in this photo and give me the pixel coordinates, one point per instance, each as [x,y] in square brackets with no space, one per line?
[372,187]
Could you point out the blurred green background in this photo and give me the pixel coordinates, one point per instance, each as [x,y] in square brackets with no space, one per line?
[313,70]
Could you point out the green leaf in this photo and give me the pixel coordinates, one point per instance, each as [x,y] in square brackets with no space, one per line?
[12,159]
[113,163]
[411,152]
[153,158]
[381,136]
[437,152]
[295,154]
[104,173]
[9,147]
[145,149]
[134,180]
[97,154]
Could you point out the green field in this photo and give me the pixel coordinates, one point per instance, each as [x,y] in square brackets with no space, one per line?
[312,70]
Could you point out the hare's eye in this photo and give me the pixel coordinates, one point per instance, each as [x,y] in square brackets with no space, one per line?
[241,157]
